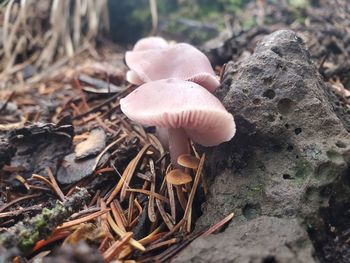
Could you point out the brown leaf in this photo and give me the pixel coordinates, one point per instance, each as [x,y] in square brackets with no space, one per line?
[83,232]
[93,145]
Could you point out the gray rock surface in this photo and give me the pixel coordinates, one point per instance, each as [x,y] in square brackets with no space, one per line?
[264,239]
[291,152]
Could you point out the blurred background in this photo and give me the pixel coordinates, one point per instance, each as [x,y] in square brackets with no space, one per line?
[194,21]
[36,33]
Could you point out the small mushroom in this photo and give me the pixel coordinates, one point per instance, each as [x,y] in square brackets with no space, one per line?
[181,61]
[188,161]
[185,108]
[178,177]
[146,43]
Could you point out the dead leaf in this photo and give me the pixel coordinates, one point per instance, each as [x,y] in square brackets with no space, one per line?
[92,146]
[73,170]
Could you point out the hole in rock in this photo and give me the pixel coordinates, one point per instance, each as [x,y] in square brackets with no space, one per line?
[290,148]
[297,131]
[269,259]
[287,177]
[340,144]
[256,101]
[270,94]
[285,106]
[251,211]
[277,50]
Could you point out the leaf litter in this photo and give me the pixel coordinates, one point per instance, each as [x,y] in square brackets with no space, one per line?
[75,146]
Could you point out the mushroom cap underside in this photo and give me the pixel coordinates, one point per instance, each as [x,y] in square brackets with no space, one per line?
[174,103]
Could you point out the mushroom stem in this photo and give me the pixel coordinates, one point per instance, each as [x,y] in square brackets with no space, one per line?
[163,136]
[178,144]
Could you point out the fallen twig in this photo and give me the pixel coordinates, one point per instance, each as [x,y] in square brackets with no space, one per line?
[25,234]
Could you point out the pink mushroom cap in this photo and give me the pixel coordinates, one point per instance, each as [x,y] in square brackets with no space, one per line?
[150,43]
[132,77]
[146,43]
[181,61]
[174,103]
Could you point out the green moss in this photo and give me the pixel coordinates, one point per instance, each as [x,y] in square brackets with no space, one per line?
[303,169]
[257,188]
[25,234]
[335,157]
[253,191]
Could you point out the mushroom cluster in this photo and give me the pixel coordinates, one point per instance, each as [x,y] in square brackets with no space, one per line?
[144,44]
[154,59]
[177,82]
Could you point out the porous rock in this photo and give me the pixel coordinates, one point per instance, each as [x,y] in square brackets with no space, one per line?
[290,155]
[264,239]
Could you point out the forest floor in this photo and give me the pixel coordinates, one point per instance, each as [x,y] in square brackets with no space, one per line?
[109,191]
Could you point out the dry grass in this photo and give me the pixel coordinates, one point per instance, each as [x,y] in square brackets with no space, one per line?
[37,33]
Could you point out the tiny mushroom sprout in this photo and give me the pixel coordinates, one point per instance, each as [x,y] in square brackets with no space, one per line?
[181,61]
[185,108]
[146,43]
[178,177]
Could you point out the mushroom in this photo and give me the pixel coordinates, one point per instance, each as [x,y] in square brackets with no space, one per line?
[181,61]
[185,108]
[150,43]
[133,78]
[146,43]
[178,177]
[188,161]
